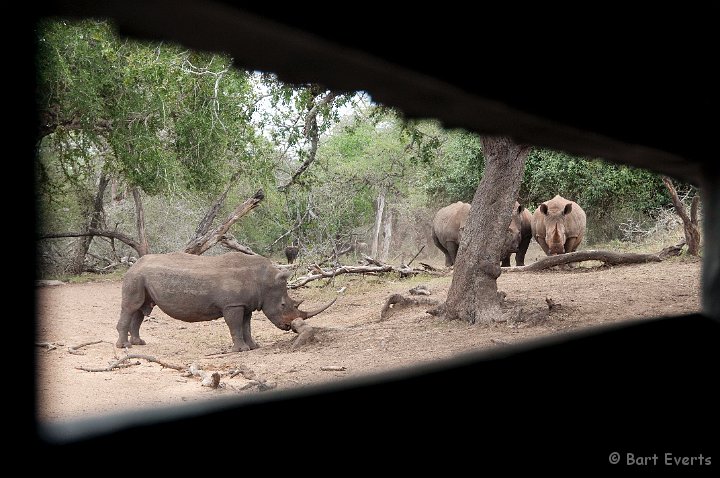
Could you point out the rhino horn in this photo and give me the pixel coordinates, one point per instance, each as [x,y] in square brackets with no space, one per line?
[311,313]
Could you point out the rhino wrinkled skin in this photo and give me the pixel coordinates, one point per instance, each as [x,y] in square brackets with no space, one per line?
[558,225]
[199,288]
[449,222]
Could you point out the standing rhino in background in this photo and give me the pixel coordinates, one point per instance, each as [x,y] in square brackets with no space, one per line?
[558,225]
[521,221]
[198,288]
[449,222]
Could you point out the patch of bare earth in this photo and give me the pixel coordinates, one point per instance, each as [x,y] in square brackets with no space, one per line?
[351,340]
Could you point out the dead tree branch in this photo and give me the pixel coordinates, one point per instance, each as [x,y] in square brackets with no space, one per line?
[608,257]
[415,256]
[690,224]
[209,239]
[306,333]
[319,273]
[116,364]
[397,301]
[76,349]
[229,241]
[208,379]
[97,232]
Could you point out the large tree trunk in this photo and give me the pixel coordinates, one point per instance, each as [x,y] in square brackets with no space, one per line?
[379,210]
[83,245]
[690,224]
[473,293]
[143,246]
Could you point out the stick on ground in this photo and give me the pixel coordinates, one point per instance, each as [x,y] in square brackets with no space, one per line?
[117,363]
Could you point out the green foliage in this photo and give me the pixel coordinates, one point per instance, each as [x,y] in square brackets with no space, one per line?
[179,124]
[610,194]
[159,117]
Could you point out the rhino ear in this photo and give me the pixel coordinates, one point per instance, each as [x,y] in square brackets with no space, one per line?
[543,208]
[568,208]
[283,276]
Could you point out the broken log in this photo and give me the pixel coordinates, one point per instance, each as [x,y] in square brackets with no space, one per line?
[608,257]
[397,301]
[306,333]
[208,379]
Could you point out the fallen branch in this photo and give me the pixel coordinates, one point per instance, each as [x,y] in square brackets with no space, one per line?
[607,257]
[211,380]
[500,342]
[397,301]
[333,368]
[244,371]
[330,273]
[74,350]
[671,251]
[116,364]
[306,333]
[48,345]
[415,256]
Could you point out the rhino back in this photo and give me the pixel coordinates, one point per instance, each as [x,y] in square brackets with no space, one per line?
[448,221]
[191,287]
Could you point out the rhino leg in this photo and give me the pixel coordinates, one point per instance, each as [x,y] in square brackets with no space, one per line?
[451,253]
[123,327]
[522,250]
[247,316]
[235,320]
[571,244]
[135,321]
[506,261]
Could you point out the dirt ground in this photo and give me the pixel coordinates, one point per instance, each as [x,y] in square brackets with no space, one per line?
[350,336]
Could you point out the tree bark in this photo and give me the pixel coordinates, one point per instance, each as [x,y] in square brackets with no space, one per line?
[380,203]
[143,246]
[387,236]
[81,250]
[690,224]
[199,245]
[473,292]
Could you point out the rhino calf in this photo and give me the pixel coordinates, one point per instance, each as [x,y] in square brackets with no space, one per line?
[558,225]
[198,288]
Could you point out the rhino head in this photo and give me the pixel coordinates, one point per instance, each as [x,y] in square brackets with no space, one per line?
[555,228]
[513,235]
[280,308]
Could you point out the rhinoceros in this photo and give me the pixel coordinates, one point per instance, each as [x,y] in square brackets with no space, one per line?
[558,225]
[449,222]
[199,288]
[520,223]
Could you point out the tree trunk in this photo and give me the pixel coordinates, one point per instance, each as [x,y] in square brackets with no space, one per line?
[380,209]
[387,236]
[690,224]
[83,245]
[473,292]
[143,246]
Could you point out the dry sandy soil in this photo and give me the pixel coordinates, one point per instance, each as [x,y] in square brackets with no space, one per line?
[350,335]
